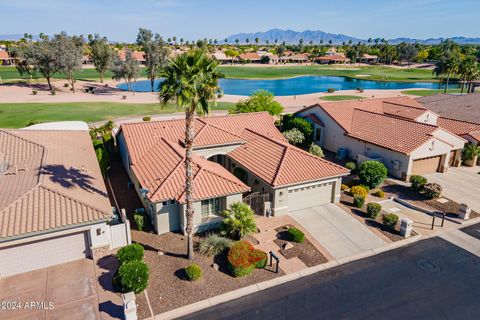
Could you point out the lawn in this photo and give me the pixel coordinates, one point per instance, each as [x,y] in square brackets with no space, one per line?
[424,93]
[366,72]
[17,115]
[340,98]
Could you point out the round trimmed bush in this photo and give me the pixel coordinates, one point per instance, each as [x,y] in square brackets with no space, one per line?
[330,90]
[239,258]
[359,191]
[358,201]
[373,209]
[379,193]
[432,190]
[390,220]
[132,252]
[259,258]
[194,272]
[372,173]
[296,235]
[34,92]
[134,276]
[147,118]
[418,182]
[351,165]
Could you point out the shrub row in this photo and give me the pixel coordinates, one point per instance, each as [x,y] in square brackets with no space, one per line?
[421,185]
[133,272]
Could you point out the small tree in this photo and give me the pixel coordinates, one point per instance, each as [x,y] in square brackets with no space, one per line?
[69,55]
[156,53]
[316,150]
[134,276]
[239,221]
[373,209]
[418,182]
[290,121]
[101,53]
[294,136]
[372,173]
[126,69]
[260,100]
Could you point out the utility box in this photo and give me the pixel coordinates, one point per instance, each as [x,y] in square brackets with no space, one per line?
[129,306]
[406,227]
[267,209]
[464,212]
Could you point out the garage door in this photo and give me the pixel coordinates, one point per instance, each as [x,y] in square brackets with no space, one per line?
[305,197]
[426,165]
[42,254]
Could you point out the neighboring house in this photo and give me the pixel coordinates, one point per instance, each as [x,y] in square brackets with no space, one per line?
[369,58]
[339,58]
[296,58]
[54,206]
[137,55]
[234,156]
[5,58]
[408,138]
[222,58]
[251,57]
[464,107]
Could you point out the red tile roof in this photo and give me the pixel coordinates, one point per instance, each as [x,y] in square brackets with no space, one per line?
[279,163]
[458,127]
[249,56]
[4,55]
[49,180]
[156,154]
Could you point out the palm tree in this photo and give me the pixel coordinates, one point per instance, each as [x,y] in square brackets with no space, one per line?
[191,79]
[451,69]
[469,70]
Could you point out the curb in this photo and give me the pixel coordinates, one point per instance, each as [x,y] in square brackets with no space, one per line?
[430,213]
[207,303]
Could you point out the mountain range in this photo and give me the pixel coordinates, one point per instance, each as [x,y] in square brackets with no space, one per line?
[293,37]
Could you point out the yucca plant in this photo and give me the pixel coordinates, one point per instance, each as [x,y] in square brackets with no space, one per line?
[213,244]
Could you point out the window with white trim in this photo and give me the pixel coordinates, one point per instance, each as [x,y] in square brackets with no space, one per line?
[210,207]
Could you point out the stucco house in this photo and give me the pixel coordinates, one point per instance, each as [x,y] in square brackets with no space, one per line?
[234,156]
[408,138]
[54,206]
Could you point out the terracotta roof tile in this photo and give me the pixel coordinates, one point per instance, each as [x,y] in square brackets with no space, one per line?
[457,126]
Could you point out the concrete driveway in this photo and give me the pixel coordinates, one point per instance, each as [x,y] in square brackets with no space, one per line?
[67,291]
[460,184]
[340,233]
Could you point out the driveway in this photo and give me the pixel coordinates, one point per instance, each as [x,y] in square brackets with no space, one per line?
[460,184]
[340,233]
[67,291]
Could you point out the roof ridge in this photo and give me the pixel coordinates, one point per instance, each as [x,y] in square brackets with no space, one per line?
[222,129]
[282,143]
[280,165]
[396,118]
[464,121]
[407,106]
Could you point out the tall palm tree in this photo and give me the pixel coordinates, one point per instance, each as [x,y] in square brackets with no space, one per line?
[469,70]
[451,69]
[191,79]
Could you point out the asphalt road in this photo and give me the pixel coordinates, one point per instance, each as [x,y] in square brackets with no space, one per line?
[431,279]
[473,230]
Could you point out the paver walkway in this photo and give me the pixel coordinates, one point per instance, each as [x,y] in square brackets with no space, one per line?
[460,184]
[336,230]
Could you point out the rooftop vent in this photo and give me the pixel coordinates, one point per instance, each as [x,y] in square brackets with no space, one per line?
[3,163]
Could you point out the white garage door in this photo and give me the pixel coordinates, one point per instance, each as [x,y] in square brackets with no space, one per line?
[42,254]
[305,197]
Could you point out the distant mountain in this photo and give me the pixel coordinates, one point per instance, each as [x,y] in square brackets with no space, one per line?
[293,37]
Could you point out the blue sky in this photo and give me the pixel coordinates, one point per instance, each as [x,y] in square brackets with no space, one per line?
[193,19]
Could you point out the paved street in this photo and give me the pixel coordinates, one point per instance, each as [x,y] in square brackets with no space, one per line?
[340,233]
[430,279]
[460,184]
[473,230]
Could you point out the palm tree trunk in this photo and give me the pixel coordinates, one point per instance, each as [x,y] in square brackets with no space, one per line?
[152,83]
[446,84]
[189,179]
[463,83]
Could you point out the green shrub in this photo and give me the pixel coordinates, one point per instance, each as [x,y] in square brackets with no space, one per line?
[194,272]
[124,97]
[260,100]
[294,136]
[32,122]
[213,244]
[239,221]
[418,182]
[359,191]
[353,183]
[296,235]
[316,150]
[132,252]
[134,276]
[351,165]
[259,258]
[372,173]
[34,92]
[289,121]
[390,220]
[432,190]
[53,92]
[373,209]
[139,219]
[379,193]
[330,90]
[344,187]
[147,118]
[66,85]
[103,157]
[358,201]
[240,259]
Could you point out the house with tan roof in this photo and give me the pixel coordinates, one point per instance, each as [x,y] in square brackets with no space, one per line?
[251,57]
[235,157]
[408,138]
[54,206]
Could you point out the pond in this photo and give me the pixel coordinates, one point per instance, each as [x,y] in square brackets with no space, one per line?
[297,85]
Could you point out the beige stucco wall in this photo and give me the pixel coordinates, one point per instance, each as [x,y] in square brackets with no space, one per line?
[211,151]
[428,117]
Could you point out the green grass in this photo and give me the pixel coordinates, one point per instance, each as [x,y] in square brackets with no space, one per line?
[9,74]
[373,72]
[424,93]
[340,98]
[17,115]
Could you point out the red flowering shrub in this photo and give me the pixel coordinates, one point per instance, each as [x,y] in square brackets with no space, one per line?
[259,258]
[243,258]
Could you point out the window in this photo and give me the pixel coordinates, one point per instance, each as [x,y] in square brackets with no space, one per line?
[172,201]
[318,134]
[210,207]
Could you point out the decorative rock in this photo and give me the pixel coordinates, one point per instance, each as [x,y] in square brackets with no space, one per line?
[215,266]
[160,253]
[287,246]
